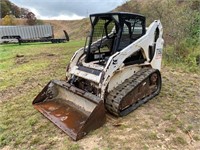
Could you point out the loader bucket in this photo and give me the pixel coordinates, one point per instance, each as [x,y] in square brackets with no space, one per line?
[73,110]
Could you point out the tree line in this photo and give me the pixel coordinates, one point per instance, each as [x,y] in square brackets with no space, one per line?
[10,11]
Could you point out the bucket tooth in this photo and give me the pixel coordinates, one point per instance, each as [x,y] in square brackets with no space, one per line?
[73,110]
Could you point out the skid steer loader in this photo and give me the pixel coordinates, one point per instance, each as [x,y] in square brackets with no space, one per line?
[117,70]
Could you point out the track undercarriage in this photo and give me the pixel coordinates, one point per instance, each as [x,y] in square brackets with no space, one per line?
[133,92]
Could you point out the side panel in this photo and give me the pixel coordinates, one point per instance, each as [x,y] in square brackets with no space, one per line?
[75,58]
[120,76]
[156,62]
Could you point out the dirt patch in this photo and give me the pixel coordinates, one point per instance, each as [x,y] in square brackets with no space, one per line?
[21,59]
[11,92]
[7,148]
[92,142]
[31,82]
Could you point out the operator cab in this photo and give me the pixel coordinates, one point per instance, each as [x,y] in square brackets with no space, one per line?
[112,32]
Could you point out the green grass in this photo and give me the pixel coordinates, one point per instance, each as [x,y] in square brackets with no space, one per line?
[35,59]
[165,121]
[179,141]
[20,124]
[187,63]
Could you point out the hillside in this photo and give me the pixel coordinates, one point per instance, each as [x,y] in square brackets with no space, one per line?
[77,29]
[177,16]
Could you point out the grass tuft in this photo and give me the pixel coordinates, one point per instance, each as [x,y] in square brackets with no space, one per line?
[179,141]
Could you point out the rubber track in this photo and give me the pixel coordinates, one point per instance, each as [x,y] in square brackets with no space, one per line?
[114,98]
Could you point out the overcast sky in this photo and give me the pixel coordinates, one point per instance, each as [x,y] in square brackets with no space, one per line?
[67,9]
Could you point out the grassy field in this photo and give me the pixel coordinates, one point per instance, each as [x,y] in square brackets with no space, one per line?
[169,121]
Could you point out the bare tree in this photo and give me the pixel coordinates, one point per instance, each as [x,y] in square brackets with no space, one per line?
[31,19]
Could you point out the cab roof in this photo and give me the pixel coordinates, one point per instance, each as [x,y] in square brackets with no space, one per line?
[120,14]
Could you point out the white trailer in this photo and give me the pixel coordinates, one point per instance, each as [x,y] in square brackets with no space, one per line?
[23,34]
[26,32]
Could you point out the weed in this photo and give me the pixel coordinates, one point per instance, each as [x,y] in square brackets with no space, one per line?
[4,139]
[107,148]
[32,121]
[145,147]
[2,128]
[152,136]
[73,147]
[18,141]
[123,126]
[168,116]
[35,140]
[95,149]
[196,137]
[179,140]
[170,129]
[189,128]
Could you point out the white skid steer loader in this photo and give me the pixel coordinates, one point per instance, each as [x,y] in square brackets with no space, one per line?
[117,70]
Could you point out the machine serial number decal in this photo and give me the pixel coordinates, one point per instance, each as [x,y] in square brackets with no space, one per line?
[158,53]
